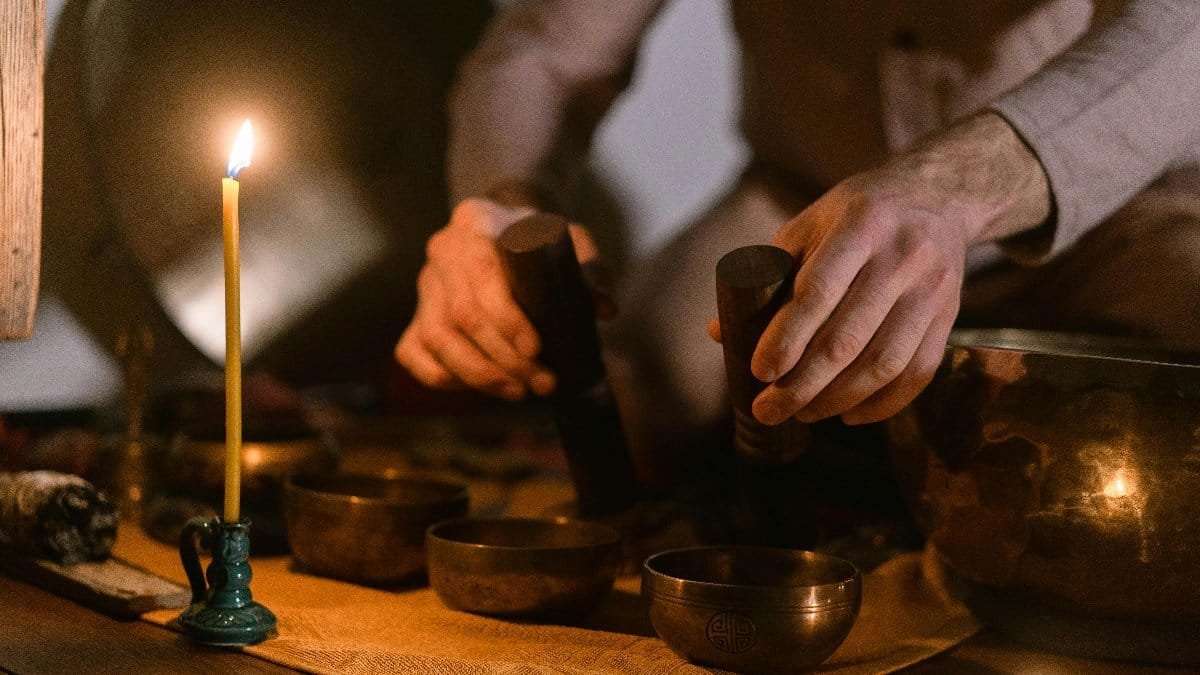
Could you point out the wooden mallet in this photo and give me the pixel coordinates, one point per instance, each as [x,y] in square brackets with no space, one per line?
[753,282]
[547,282]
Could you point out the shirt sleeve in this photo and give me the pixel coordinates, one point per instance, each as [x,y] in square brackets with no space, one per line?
[528,99]
[1108,116]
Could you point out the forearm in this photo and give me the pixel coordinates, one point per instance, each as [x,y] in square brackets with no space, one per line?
[978,175]
[528,99]
[1110,114]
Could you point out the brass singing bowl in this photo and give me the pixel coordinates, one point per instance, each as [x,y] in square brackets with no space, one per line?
[194,463]
[520,567]
[187,479]
[366,529]
[751,609]
[1060,476]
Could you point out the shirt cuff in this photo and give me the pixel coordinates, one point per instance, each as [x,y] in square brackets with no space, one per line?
[1039,245]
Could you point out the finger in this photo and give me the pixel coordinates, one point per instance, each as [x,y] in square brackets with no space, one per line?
[423,366]
[714,330]
[502,310]
[501,351]
[462,358]
[513,327]
[884,358]
[901,391]
[440,337]
[479,312]
[820,285]
[836,344]
[543,382]
[479,305]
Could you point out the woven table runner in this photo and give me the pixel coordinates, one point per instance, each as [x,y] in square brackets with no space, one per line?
[329,626]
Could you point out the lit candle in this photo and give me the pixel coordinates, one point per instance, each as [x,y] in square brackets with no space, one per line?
[238,160]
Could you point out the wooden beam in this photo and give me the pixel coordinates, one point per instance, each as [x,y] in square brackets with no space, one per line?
[22,56]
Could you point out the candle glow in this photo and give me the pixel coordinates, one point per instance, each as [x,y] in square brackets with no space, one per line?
[243,147]
[239,159]
[1117,486]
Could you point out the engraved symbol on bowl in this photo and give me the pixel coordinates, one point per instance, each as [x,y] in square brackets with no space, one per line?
[730,632]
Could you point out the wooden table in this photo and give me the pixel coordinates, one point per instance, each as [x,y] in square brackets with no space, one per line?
[43,633]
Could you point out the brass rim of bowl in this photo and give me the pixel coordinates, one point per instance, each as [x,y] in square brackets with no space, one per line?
[605,536]
[1073,346]
[844,591]
[276,452]
[455,492]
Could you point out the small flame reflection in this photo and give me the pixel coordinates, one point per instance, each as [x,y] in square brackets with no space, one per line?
[252,457]
[242,149]
[1118,485]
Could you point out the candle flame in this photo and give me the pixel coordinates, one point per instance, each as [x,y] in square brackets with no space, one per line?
[242,147]
[1118,486]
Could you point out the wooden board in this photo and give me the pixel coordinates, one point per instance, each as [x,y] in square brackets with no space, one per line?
[111,586]
[22,42]
[43,633]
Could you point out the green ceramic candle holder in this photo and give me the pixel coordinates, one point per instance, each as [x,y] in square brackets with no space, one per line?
[222,612]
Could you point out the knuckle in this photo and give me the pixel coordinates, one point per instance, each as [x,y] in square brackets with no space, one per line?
[887,366]
[814,291]
[873,205]
[789,401]
[409,339]
[923,375]
[508,320]
[403,354]
[817,411]
[438,380]
[917,248]
[857,194]
[841,345]
[945,277]
[436,244]
[431,335]
[877,296]
[464,317]
[481,376]
[467,209]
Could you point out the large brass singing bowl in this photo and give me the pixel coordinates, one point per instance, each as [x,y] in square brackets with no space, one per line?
[1060,476]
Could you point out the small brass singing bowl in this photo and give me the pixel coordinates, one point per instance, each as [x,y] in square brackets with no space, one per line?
[366,529]
[517,567]
[751,609]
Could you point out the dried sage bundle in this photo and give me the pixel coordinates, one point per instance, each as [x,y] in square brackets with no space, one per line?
[57,516]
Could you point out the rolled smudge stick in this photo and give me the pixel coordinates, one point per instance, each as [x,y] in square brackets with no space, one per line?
[57,516]
[547,282]
[752,283]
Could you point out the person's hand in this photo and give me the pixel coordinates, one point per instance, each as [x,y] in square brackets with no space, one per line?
[468,330]
[881,259]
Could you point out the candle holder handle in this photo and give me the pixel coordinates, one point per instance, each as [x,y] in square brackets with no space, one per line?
[222,612]
[196,530]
